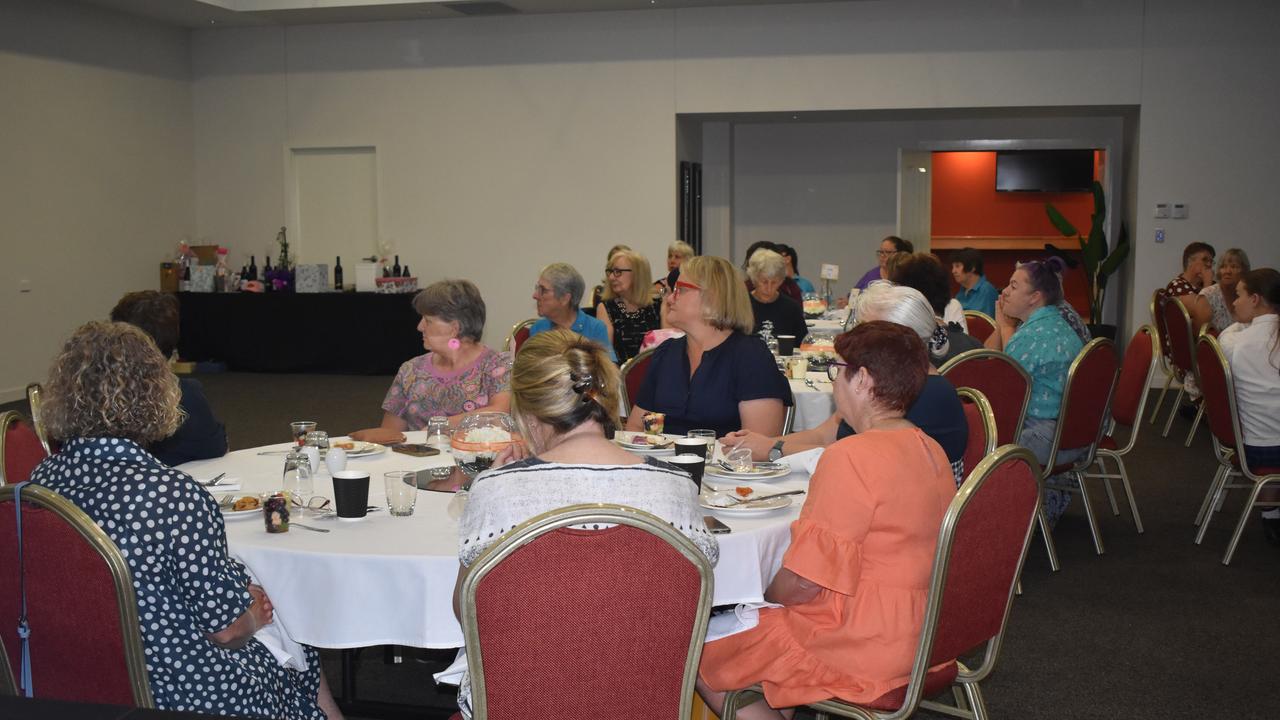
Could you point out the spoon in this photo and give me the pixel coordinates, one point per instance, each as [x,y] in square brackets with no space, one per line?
[308,527]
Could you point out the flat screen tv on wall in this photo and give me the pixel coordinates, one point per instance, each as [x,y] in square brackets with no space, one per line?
[1044,170]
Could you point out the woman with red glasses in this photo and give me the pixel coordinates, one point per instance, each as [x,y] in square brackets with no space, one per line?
[718,376]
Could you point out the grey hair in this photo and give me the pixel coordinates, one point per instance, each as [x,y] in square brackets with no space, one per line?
[565,280]
[454,301]
[899,304]
[766,264]
[1240,256]
[680,248]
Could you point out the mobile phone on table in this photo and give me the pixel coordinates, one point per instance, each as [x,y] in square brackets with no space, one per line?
[415,449]
[714,526]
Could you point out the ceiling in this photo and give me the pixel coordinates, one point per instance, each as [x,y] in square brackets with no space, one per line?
[238,13]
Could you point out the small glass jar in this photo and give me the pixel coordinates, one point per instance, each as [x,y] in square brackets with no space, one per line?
[275,512]
[438,435]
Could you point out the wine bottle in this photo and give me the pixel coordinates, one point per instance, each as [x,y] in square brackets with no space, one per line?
[386,271]
[185,284]
[266,273]
[337,275]
[395,269]
[405,270]
[253,268]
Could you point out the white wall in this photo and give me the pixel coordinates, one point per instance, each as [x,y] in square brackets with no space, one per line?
[95,170]
[503,144]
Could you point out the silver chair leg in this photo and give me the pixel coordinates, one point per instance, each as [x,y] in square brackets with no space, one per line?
[1155,411]
[1195,425]
[1244,518]
[1177,402]
[1209,495]
[1048,539]
[977,705]
[1111,496]
[1128,492]
[1215,492]
[1088,512]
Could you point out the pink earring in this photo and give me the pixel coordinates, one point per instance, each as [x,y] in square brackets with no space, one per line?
[454,343]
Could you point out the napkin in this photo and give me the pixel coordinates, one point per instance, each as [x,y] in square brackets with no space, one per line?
[452,675]
[744,617]
[283,648]
[807,460]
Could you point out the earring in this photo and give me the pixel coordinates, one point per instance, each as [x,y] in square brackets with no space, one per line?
[454,343]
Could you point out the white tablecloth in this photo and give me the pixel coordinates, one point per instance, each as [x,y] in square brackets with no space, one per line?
[389,580]
[813,404]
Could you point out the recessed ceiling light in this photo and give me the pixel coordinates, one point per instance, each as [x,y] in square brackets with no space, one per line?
[923,170]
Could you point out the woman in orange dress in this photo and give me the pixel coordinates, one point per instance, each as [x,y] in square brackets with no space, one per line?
[854,581]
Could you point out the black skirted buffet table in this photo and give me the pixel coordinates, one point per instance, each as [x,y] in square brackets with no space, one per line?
[346,333]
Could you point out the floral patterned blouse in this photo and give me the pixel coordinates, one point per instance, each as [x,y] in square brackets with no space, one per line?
[1222,317]
[421,391]
[1045,346]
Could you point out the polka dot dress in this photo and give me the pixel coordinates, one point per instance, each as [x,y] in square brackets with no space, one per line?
[173,538]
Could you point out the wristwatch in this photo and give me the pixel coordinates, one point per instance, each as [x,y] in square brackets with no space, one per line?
[776,451]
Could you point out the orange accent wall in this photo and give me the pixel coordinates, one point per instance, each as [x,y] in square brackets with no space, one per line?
[965,201]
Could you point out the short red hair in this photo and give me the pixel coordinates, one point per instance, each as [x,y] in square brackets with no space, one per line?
[893,355]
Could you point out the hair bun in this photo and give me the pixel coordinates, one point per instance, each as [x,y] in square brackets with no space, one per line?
[1056,264]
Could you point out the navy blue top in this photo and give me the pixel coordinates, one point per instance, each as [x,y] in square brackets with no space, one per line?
[173,538]
[199,437]
[938,413]
[738,369]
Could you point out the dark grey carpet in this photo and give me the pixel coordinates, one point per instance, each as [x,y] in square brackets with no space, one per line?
[1155,628]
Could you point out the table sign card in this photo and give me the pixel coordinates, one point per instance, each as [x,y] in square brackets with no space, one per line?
[311,278]
[202,278]
[829,272]
[367,277]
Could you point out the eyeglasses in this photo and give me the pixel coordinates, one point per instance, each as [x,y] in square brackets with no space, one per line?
[540,290]
[833,370]
[681,286]
[317,502]
[885,253]
[616,272]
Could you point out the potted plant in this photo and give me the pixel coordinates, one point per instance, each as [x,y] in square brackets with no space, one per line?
[1100,261]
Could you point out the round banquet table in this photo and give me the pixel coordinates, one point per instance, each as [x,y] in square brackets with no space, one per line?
[389,580]
[814,403]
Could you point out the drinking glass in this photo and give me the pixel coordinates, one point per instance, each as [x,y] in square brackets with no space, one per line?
[318,439]
[300,429]
[740,460]
[478,440]
[297,479]
[710,437]
[402,491]
[438,433]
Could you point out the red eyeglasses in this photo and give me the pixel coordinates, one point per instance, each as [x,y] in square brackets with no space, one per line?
[682,286]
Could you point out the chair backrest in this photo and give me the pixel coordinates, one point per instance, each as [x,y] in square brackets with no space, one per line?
[20,448]
[86,645]
[982,427]
[1001,379]
[1177,326]
[1219,393]
[557,619]
[8,687]
[1086,399]
[980,325]
[35,398]
[1140,360]
[981,547]
[633,372]
[1157,319]
[519,333]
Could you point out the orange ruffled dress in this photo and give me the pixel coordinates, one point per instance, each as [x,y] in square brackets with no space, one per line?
[867,535]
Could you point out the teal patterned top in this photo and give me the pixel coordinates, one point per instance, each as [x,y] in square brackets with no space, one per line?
[1045,346]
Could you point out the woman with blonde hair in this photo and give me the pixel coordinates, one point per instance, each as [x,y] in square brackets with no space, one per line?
[628,308]
[1214,305]
[717,376]
[110,393]
[564,398]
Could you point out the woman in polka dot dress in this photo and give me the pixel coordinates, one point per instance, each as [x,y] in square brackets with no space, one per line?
[110,393]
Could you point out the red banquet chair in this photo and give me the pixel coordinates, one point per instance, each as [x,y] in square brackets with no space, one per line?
[981,547]
[633,372]
[1177,325]
[1228,444]
[35,398]
[519,333]
[979,324]
[1086,399]
[1001,379]
[540,614]
[982,427]
[20,448]
[85,643]
[1141,358]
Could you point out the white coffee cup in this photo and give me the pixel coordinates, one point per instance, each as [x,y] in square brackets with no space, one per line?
[336,460]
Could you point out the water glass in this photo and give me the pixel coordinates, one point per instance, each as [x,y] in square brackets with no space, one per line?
[739,460]
[402,492]
[438,435]
[297,478]
[708,436]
